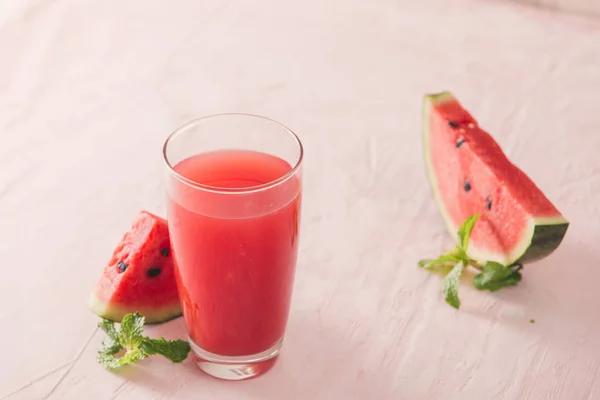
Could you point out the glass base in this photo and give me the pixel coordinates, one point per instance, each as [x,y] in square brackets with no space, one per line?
[235,368]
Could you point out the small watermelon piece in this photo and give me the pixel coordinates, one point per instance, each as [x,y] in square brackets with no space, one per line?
[139,276]
[470,174]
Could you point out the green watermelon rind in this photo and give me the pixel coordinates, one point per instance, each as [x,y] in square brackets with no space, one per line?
[540,238]
[115,312]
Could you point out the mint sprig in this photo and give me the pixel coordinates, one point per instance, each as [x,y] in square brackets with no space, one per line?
[493,276]
[133,345]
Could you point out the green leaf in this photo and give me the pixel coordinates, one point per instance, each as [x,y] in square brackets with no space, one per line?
[448,258]
[495,276]
[132,329]
[110,344]
[174,350]
[108,360]
[109,328]
[132,356]
[110,347]
[464,232]
[450,285]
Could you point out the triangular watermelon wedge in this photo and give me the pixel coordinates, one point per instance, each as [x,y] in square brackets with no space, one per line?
[140,275]
[470,174]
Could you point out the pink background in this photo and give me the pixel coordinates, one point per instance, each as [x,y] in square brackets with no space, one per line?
[89,91]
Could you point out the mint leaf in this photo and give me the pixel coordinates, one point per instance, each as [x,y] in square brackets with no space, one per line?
[174,350]
[464,232]
[450,285]
[109,328]
[110,347]
[132,356]
[448,258]
[108,360]
[495,276]
[110,344]
[132,328]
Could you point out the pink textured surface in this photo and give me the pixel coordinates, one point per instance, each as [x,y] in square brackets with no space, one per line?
[583,7]
[89,90]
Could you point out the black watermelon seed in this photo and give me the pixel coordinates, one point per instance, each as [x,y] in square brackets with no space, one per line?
[467,186]
[165,252]
[153,272]
[453,124]
[459,142]
[488,204]
[121,266]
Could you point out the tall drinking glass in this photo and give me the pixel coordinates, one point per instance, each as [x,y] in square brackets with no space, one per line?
[234,184]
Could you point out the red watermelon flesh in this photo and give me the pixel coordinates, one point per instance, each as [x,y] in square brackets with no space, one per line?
[139,276]
[470,174]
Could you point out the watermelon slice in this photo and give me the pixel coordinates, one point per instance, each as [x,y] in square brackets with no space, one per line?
[139,276]
[470,174]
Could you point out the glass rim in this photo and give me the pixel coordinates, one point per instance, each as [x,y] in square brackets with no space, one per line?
[245,190]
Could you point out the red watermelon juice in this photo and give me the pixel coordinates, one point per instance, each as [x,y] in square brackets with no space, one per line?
[233,222]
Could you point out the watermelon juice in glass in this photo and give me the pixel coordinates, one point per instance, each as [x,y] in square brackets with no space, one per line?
[234,185]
